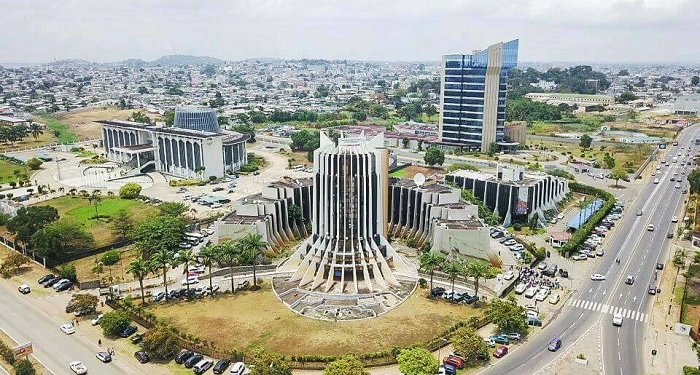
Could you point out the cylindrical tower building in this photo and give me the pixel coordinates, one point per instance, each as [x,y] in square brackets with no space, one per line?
[197,118]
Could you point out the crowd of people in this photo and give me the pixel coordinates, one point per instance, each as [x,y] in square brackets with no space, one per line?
[532,277]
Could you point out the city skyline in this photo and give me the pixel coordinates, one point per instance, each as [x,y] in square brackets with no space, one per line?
[549,30]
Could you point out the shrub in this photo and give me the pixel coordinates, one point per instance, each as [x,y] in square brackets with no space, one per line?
[115,322]
[130,190]
[24,367]
[34,163]
[422,282]
[67,271]
[412,242]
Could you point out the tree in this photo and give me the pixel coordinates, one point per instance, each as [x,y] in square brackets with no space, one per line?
[139,269]
[122,224]
[346,365]
[405,142]
[84,302]
[36,130]
[130,190]
[158,234]
[623,72]
[252,246]
[507,315]
[431,261]
[209,255]
[264,363]
[162,259]
[694,180]
[172,208]
[609,161]
[115,322]
[618,174]
[161,342]
[228,254]
[95,199]
[34,163]
[417,361]
[452,269]
[246,129]
[470,345]
[110,258]
[143,90]
[12,264]
[61,238]
[626,96]
[477,270]
[67,271]
[585,141]
[24,367]
[434,156]
[695,81]
[186,257]
[29,220]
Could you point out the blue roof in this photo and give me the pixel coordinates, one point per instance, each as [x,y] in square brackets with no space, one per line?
[585,214]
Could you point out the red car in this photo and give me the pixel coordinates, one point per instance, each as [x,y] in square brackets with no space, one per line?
[454,361]
[501,351]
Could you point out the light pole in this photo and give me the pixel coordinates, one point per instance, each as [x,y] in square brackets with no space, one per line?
[653,352]
[444,340]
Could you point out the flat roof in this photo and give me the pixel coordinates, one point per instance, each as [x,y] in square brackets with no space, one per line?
[13,120]
[528,180]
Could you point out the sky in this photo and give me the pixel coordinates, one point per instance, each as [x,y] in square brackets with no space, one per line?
[34,31]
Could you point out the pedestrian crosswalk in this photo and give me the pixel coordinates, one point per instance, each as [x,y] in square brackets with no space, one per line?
[608,309]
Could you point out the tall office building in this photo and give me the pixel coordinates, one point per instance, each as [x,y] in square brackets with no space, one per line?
[473,97]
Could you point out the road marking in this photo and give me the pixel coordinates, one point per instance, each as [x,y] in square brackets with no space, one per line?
[588,304]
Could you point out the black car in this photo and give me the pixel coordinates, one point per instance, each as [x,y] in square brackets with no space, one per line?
[141,356]
[130,330]
[217,189]
[65,286]
[137,338]
[181,357]
[46,278]
[437,292]
[563,273]
[468,300]
[50,282]
[659,266]
[190,362]
[221,366]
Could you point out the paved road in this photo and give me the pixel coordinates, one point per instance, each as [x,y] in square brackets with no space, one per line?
[23,321]
[597,301]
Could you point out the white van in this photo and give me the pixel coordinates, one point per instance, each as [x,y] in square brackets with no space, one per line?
[203,366]
[238,368]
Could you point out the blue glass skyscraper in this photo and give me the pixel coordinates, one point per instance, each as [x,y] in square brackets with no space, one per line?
[473,96]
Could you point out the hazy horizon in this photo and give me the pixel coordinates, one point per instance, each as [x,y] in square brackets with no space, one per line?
[593,31]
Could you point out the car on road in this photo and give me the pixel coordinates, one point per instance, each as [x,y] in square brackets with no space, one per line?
[104,357]
[669,235]
[97,319]
[630,280]
[221,366]
[678,186]
[500,339]
[190,280]
[640,213]
[202,366]
[184,355]
[24,289]
[67,328]
[509,275]
[141,356]
[78,367]
[554,345]
[659,266]
[520,288]
[617,320]
[500,351]
[674,219]
[650,228]
[46,278]
[652,290]
[130,330]
[554,299]
[656,180]
[190,362]
[597,277]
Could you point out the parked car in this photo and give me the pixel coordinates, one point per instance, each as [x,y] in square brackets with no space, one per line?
[454,361]
[554,345]
[190,280]
[500,339]
[158,297]
[137,338]
[221,366]
[669,235]
[536,322]
[45,278]
[202,366]
[63,284]
[468,300]
[190,362]
[437,292]
[238,368]
[104,357]
[652,290]
[542,266]
[563,273]
[97,319]
[141,356]
[520,288]
[184,355]
[51,282]
[130,330]
[24,289]
[514,336]
[554,299]
[500,351]
[530,292]
[659,266]
[243,285]
[509,275]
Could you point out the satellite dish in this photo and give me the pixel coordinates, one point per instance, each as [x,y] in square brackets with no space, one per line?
[419,179]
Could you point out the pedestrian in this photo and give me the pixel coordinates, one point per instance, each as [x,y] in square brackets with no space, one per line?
[99,342]
[77,322]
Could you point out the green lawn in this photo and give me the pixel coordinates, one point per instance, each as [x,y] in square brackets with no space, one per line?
[7,170]
[65,135]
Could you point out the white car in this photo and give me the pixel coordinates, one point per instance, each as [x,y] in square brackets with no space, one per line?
[24,289]
[520,288]
[650,228]
[678,186]
[532,314]
[579,257]
[554,299]
[617,320]
[216,205]
[78,367]
[97,319]
[190,281]
[597,277]
[541,296]
[674,219]
[530,292]
[67,328]
[509,275]
[656,180]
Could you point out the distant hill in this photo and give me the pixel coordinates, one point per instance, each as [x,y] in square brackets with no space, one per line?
[179,60]
[131,62]
[69,62]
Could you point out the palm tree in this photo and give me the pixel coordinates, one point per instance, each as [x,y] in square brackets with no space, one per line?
[453,268]
[162,259]
[209,254]
[252,246]
[186,258]
[228,255]
[477,270]
[139,268]
[581,205]
[431,261]
[95,199]
[36,131]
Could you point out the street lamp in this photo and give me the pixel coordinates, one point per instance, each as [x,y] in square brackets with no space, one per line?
[653,352]
[444,340]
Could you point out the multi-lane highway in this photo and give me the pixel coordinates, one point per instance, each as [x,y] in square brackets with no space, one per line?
[596,302]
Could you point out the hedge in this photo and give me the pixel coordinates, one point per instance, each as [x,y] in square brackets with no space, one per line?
[579,237]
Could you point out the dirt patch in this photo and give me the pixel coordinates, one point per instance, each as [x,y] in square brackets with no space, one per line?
[412,170]
[82,122]
[250,319]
